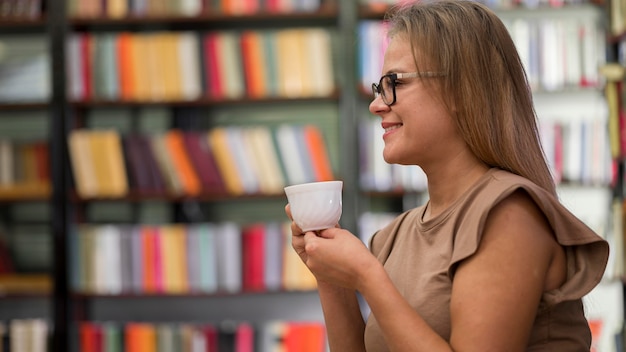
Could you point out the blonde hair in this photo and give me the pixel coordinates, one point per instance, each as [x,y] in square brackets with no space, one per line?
[485,86]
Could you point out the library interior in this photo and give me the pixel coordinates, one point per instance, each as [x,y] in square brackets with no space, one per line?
[227,102]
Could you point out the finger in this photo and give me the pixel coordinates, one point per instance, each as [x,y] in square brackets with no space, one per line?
[288,211]
[295,229]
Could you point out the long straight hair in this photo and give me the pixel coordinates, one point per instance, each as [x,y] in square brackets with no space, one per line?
[485,86]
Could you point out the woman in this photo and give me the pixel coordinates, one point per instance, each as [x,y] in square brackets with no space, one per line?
[492,262]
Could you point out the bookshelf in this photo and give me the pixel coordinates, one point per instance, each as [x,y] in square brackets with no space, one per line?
[26,278]
[151,111]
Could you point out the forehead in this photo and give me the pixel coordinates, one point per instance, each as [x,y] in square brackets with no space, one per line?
[398,55]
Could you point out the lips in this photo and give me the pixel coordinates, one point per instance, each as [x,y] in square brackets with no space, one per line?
[388,127]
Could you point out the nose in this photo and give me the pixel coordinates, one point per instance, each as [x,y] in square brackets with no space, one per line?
[378,106]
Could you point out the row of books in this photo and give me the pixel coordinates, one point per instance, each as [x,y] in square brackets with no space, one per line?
[145,8]
[165,65]
[20,9]
[25,335]
[23,162]
[578,151]
[199,258]
[24,69]
[495,4]
[228,336]
[224,160]
[558,54]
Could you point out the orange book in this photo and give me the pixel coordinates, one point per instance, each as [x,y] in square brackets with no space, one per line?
[125,66]
[174,259]
[140,337]
[218,141]
[253,60]
[175,142]
[319,155]
[148,259]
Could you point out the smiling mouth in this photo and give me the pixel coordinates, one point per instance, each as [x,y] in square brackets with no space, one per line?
[391,128]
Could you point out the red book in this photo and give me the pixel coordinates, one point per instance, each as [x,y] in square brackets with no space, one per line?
[87,336]
[86,51]
[253,245]
[210,333]
[244,338]
[211,61]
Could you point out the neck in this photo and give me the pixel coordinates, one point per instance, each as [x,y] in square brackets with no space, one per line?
[447,185]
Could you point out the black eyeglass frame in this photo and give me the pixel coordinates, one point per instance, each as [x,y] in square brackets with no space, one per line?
[393,77]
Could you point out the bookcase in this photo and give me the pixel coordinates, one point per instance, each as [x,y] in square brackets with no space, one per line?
[25,184]
[152,80]
[89,102]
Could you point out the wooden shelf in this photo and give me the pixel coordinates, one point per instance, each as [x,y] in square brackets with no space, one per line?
[23,106]
[204,102]
[25,285]
[25,192]
[136,196]
[327,14]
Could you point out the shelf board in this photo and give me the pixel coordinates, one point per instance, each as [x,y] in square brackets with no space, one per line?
[13,23]
[87,296]
[25,285]
[13,106]
[203,102]
[325,14]
[136,196]
[25,192]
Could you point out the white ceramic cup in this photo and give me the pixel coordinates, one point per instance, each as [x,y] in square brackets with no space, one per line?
[315,205]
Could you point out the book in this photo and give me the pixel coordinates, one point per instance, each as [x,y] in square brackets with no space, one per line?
[318,153]
[109,168]
[228,240]
[185,172]
[203,161]
[81,163]
[254,63]
[218,141]
[253,247]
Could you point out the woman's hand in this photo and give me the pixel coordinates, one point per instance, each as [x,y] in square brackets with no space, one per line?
[338,257]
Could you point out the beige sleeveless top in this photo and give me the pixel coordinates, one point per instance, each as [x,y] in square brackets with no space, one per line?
[421,257]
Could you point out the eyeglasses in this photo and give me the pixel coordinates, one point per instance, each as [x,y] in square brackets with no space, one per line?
[386,88]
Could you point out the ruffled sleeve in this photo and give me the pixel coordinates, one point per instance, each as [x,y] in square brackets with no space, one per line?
[586,252]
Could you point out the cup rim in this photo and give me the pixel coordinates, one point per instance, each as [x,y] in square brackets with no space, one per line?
[312,186]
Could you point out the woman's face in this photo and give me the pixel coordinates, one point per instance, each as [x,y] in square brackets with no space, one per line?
[418,128]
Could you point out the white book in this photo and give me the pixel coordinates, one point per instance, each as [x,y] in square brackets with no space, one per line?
[551,55]
[273,256]
[572,59]
[110,260]
[190,7]
[229,275]
[74,67]
[288,150]
[317,42]
[189,58]
[243,161]
[231,72]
